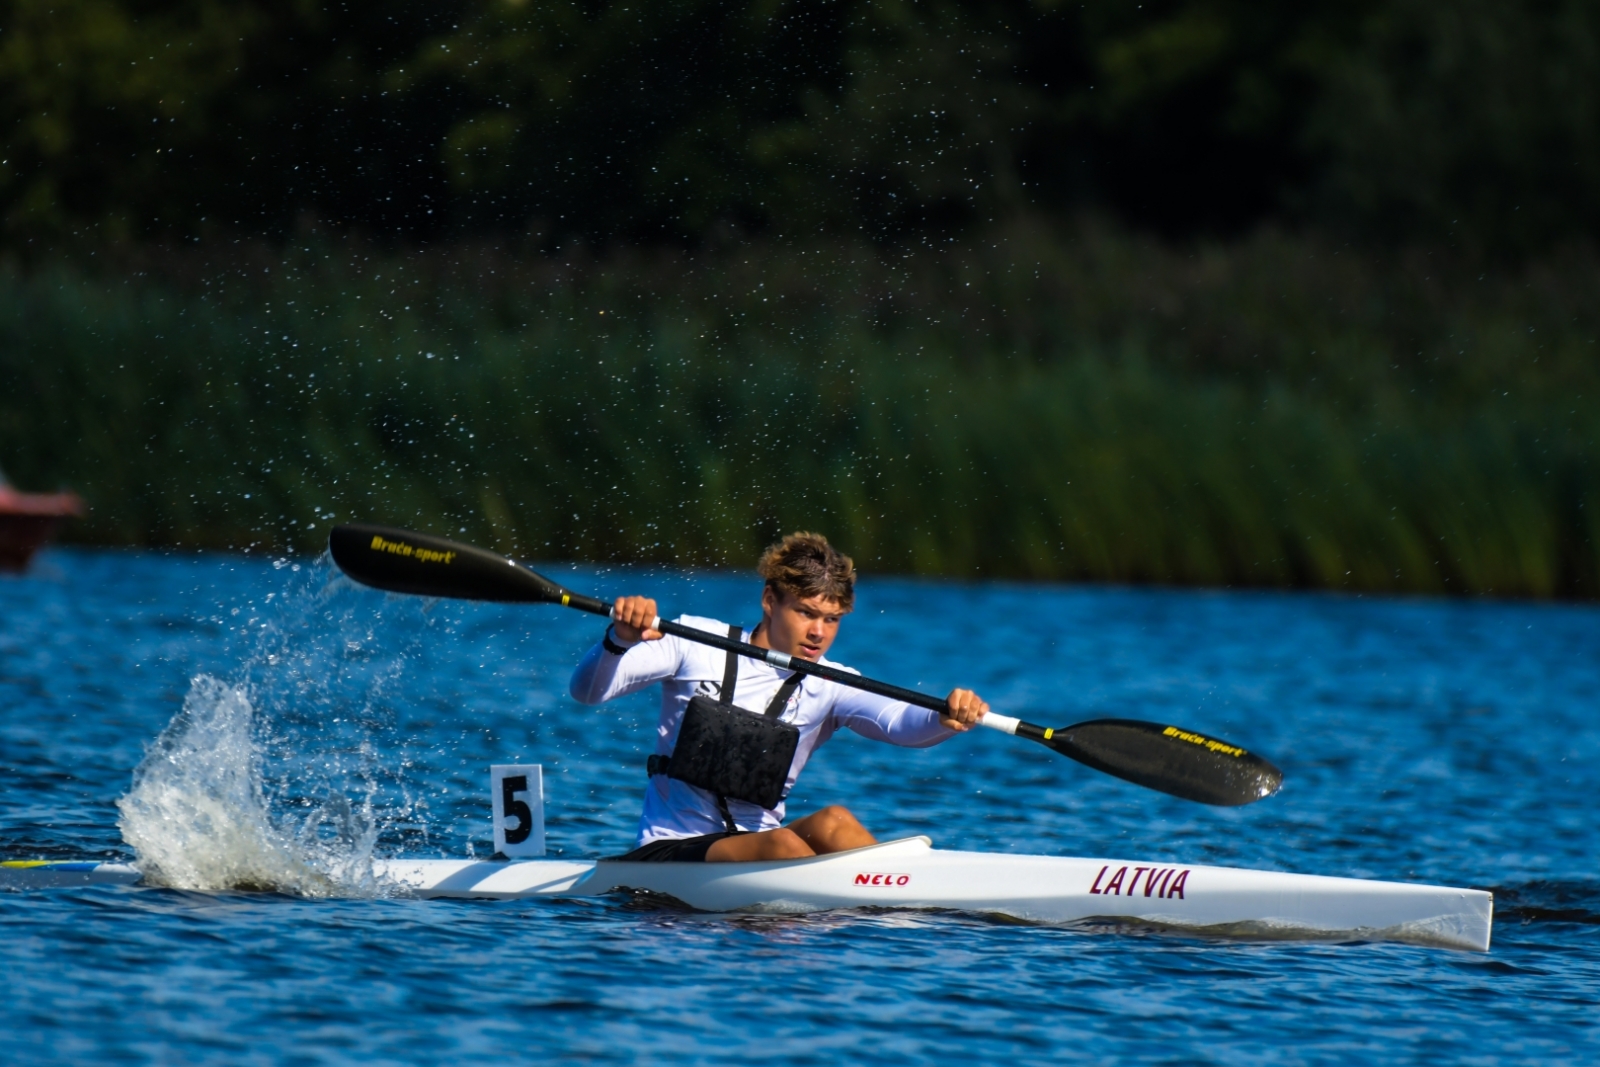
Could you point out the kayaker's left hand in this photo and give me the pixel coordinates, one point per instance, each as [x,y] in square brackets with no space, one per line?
[966,708]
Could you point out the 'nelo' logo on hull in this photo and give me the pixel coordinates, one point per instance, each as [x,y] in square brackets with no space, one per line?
[1165,882]
[400,548]
[883,879]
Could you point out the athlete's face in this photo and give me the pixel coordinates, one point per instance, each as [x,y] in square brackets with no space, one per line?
[799,627]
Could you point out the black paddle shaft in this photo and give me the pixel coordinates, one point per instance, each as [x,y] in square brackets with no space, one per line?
[796,663]
[1165,758]
[1170,760]
[402,561]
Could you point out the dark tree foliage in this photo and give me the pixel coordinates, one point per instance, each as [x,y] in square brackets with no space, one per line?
[624,121]
[137,118]
[1477,119]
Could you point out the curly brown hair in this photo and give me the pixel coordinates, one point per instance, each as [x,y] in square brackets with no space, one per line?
[804,565]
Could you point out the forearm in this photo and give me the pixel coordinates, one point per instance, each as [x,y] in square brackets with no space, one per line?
[892,721]
[603,675]
[594,681]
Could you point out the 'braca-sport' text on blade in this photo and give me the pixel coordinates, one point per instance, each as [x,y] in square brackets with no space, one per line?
[1169,759]
[404,561]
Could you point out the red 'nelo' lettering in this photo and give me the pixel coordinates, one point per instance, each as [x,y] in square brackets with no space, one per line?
[1177,886]
[866,878]
[1114,887]
[1095,889]
[1137,871]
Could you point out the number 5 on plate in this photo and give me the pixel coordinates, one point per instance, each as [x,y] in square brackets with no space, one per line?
[518,793]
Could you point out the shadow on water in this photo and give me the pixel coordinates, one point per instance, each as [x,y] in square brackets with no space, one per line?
[1548,902]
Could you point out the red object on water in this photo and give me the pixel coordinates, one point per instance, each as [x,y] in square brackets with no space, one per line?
[27,521]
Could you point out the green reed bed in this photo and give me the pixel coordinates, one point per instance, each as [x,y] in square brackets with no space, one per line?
[1073,405]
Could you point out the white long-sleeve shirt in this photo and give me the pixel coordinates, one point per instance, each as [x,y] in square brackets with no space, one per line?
[684,668]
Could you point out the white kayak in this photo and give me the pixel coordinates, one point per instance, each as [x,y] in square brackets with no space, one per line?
[910,873]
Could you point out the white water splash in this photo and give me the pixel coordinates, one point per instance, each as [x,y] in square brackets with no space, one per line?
[199,815]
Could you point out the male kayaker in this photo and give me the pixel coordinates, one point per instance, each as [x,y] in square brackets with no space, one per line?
[810,587]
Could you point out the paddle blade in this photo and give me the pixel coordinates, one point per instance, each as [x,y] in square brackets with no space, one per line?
[1168,759]
[402,561]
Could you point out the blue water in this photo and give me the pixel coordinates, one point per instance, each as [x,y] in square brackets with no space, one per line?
[1453,742]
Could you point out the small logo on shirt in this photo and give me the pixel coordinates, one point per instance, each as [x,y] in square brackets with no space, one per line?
[883,879]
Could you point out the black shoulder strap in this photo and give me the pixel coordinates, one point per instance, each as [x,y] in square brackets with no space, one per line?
[730,673]
[780,699]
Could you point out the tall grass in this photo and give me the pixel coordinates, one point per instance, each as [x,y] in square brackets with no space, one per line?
[1064,405]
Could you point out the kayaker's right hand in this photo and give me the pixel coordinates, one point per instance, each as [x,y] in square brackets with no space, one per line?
[631,617]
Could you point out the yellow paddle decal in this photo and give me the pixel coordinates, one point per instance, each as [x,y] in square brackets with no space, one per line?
[400,548]
[1198,739]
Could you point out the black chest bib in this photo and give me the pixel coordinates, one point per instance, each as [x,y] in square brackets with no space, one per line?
[731,752]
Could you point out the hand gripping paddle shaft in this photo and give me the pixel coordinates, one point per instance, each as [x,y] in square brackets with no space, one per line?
[1165,758]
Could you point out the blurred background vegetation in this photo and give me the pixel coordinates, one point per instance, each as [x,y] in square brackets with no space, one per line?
[1200,291]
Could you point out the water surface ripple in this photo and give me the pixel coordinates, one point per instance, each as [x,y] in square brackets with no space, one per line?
[1451,742]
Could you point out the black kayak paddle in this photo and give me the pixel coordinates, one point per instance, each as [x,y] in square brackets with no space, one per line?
[1180,762]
